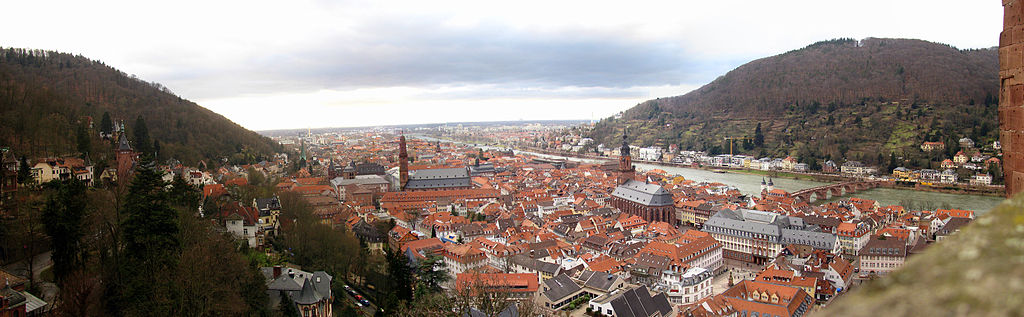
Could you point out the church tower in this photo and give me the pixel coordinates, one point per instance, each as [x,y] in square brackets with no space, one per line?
[125,159]
[626,170]
[403,162]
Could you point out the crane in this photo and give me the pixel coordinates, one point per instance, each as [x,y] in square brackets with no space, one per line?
[734,138]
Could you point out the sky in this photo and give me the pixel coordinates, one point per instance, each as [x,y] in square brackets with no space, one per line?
[309,64]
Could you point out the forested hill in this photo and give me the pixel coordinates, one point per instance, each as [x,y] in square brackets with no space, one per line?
[45,96]
[841,98]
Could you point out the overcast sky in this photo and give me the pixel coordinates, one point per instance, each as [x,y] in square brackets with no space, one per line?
[298,64]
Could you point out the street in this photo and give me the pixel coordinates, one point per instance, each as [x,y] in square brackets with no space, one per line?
[42,261]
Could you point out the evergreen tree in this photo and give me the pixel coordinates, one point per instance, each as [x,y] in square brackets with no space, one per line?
[24,171]
[432,274]
[996,172]
[183,194]
[156,148]
[151,228]
[152,246]
[758,137]
[892,161]
[141,132]
[83,139]
[63,217]
[399,283]
[287,307]
[106,125]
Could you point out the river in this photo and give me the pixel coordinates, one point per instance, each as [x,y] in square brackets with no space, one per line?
[751,184]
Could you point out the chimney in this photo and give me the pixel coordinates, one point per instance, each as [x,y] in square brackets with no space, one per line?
[277,271]
[291,273]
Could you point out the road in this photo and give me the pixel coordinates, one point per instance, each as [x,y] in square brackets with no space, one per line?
[366,310]
[41,262]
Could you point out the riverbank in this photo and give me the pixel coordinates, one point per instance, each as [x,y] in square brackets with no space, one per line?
[958,189]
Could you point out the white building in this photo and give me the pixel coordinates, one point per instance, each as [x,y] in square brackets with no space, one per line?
[948,176]
[237,226]
[981,179]
[688,287]
[650,154]
[882,256]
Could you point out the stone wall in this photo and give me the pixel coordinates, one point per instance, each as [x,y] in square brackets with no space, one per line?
[1011,94]
[978,271]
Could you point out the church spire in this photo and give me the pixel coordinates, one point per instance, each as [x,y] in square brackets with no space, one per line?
[624,151]
[626,170]
[403,162]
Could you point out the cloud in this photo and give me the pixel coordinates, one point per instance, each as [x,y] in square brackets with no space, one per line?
[558,59]
[426,53]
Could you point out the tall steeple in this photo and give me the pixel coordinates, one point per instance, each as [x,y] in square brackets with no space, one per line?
[403,162]
[626,170]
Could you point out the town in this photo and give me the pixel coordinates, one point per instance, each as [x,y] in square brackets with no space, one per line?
[970,165]
[534,235]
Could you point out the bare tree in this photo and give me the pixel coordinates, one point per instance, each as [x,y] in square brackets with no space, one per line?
[30,233]
[79,295]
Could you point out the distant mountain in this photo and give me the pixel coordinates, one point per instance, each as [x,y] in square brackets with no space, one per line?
[45,96]
[835,99]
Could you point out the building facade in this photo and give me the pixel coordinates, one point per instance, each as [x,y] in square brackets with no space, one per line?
[758,236]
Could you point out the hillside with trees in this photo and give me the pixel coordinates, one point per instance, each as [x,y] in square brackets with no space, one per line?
[48,99]
[841,99]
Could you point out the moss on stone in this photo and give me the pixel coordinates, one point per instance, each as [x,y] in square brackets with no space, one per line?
[977,272]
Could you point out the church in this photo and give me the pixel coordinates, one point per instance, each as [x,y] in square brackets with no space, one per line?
[429,179]
[649,201]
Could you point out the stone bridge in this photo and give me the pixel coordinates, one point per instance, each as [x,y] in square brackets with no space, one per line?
[834,190]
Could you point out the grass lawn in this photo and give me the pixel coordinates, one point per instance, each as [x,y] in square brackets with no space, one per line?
[47,274]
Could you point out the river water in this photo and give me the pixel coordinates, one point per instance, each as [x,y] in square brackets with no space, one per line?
[751,184]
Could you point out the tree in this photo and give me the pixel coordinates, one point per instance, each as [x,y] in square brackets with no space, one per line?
[28,231]
[84,140]
[287,307]
[63,217]
[758,137]
[892,161]
[152,247]
[399,282]
[106,125]
[24,171]
[151,229]
[256,178]
[183,194]
[141,133]
[156,148]
[997,173]
[432,274]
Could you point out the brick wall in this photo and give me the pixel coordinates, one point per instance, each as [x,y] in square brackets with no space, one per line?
[1011,94]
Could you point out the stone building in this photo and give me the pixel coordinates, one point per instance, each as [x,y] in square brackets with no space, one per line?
[649,201]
